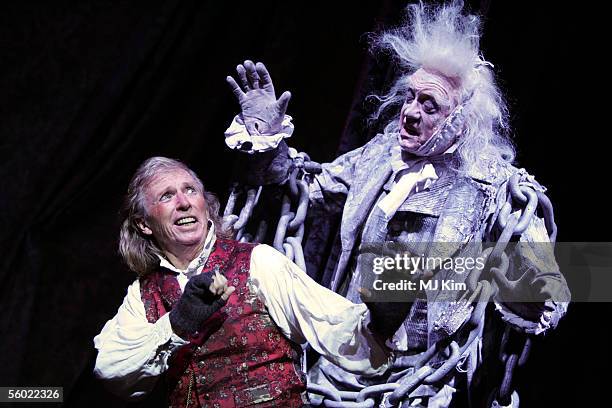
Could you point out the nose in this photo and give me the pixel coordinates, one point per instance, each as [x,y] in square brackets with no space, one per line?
[411,112]
[182,201]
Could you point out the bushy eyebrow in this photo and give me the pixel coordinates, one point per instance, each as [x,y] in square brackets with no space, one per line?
[166,191]
[192,185]
[439,97]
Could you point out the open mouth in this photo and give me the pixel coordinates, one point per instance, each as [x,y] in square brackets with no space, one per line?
[185,221]
[408,130]
[408,133]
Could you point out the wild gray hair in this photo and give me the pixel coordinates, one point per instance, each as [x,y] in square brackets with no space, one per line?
[443,39]
[139,251]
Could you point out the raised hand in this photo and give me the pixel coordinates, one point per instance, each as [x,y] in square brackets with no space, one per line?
[219,286]
[262,113]
[204,294]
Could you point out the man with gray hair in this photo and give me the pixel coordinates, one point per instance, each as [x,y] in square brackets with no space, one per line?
[440,172]
[222,321]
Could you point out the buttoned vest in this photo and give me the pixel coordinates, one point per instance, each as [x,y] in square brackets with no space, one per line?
[239,357]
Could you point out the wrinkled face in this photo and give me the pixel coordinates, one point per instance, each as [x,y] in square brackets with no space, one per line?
[176,211]
[429,100]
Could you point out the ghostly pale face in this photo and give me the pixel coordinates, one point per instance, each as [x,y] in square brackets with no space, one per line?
[176,211]
[429,100]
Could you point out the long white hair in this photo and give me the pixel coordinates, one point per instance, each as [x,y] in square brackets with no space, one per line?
[444,39]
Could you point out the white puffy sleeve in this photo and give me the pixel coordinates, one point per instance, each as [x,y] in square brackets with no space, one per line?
[132,352]
[307,312]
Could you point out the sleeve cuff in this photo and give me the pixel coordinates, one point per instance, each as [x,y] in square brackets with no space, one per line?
[165,332]
[238,138]
[548,319]
[168,342]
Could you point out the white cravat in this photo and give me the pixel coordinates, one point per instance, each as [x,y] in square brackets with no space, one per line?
[415,176]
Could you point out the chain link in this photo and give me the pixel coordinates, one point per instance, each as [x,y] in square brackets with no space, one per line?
[191,379]
[289,231]
[511,224]
[288,237]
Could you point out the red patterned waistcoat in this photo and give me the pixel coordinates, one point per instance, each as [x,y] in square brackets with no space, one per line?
[239,358]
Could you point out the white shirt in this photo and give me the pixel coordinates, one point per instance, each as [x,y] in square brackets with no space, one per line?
[132,352]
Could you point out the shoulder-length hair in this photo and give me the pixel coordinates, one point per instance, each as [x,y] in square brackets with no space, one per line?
[139,251]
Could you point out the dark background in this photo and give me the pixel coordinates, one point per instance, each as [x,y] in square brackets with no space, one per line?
[88,90]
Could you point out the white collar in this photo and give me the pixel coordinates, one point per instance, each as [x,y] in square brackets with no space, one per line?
[398,163]
[409,176]
[415,163]
[198,263]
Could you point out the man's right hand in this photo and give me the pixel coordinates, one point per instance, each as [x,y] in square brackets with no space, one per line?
[385,317]
[219,287]
[262,113]
[204,294]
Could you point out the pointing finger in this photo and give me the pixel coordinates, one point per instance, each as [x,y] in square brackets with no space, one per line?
[222,278]
[226,294]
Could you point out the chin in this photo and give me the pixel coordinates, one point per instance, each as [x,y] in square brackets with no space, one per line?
[191,239]
[409,146]
[408,143]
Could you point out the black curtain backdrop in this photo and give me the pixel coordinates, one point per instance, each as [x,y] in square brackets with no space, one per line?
[90,89]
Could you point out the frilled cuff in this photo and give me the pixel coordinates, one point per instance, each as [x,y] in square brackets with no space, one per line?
[238,138]
[549,319]
[163,330]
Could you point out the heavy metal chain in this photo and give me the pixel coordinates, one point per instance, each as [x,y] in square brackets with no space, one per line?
[288,237]
[525,201]
[289,231]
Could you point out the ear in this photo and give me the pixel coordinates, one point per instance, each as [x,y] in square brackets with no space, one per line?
[143,227]
[206,210]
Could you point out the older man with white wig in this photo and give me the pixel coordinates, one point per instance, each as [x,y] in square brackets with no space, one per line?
[439,173]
